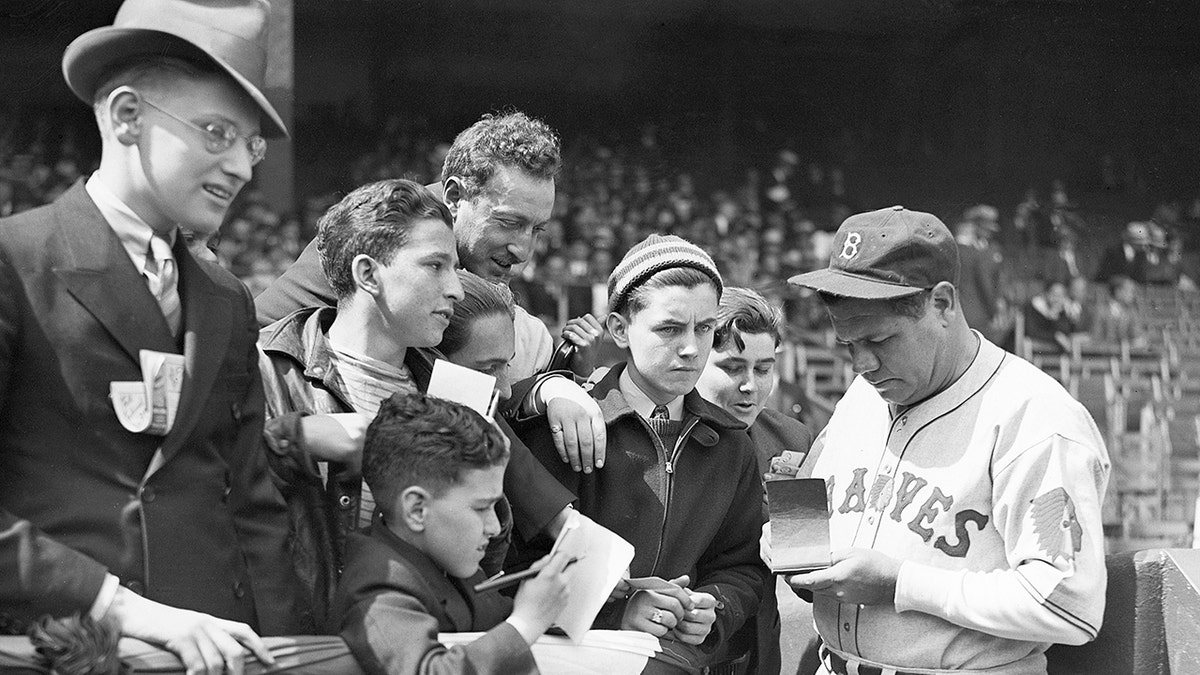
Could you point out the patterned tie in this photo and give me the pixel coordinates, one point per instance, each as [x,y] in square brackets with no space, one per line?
[163,279]
[660,424]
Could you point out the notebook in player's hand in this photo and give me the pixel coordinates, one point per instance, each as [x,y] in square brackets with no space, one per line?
[799,524]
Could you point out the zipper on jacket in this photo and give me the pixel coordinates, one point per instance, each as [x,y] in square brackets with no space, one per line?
[670,467]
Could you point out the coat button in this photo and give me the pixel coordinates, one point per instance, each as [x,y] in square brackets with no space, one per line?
[846,626]
[137,587]
[148,494]
[239,591]
[344,501]
[236,410]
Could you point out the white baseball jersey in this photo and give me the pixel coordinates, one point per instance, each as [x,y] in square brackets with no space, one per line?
[990,493]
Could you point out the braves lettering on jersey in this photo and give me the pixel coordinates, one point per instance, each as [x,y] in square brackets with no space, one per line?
[990,493]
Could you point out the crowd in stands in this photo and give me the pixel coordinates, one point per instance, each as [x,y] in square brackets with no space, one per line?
[776,222]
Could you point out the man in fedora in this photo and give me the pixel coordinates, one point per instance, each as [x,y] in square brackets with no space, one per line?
[965,484]
[169,527]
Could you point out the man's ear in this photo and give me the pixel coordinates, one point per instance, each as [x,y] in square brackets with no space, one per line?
[945,299]
[365,271]
[414,507]
[618,328]
[453,192]
[124,107]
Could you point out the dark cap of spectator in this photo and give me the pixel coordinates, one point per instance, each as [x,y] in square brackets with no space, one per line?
[231,34]
[889,253]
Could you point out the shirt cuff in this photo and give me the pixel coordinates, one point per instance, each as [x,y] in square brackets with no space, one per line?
[104,599]
[922,588]
[521,626]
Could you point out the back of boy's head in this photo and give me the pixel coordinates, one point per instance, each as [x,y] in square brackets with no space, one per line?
[376,220]
[659,261]
[744,311]
[419,440]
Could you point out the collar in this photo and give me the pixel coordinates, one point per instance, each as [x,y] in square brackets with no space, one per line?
[134,233]
[641,403]
[301,335]
[425,565]
[614,405]
[983,368]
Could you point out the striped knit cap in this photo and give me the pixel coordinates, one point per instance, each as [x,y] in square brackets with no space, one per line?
[651,256]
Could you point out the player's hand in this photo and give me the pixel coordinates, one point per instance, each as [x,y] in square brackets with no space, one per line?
[658,612]
[205,644]
[698,621]
[576,424]
[585,332]
[541,599]
[764,544]
[858,576]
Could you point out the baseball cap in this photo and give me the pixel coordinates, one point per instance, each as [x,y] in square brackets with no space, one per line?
[889,253]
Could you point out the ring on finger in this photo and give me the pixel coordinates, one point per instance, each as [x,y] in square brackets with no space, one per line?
[657,616]
[555,429]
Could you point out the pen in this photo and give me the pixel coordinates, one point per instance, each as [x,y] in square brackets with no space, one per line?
[502,580]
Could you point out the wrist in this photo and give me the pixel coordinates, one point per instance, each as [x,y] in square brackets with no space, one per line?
[528,631]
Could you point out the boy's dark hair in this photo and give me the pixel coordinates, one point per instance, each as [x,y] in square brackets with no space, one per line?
[417,439]
[743,311]
[481,298]
[911,306]
[511,139]
[374,220]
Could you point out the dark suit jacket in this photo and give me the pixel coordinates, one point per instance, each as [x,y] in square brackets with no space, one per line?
[190,519]
[393,600]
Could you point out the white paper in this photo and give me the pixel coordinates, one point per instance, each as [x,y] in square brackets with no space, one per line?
[600,652]
[603,557]
[471,388]
[150,406]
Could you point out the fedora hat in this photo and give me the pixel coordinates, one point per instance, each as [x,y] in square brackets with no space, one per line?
[229,33]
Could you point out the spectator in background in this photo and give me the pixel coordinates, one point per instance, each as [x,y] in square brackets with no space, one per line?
[1064,266]
[1129,258]
[1048,324]
[980,276]
[1117,320]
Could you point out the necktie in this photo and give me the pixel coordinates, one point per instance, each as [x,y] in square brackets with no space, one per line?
[163,279]
[660,413]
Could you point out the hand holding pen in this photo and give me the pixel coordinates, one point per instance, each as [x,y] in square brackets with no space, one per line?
[503,579]
[542,597]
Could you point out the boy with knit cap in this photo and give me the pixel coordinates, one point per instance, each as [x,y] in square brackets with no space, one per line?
[681,479]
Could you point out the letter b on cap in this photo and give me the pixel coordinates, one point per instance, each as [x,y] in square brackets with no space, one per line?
[850,246]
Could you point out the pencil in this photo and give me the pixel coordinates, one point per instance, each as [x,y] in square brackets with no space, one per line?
[503,580]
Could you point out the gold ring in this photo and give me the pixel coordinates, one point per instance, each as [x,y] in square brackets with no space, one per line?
[657,616]
[555,429]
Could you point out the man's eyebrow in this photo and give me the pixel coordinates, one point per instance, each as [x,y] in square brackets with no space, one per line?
[509,212]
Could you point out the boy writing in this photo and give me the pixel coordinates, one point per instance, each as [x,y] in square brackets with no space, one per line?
[681,478]
[436,469]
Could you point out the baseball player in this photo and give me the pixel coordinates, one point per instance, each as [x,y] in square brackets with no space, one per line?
[964,484]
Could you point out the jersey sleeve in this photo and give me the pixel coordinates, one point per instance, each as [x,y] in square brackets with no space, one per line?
[1047,508]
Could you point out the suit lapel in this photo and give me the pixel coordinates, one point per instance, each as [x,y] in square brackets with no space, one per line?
[206,318]
[97,272]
